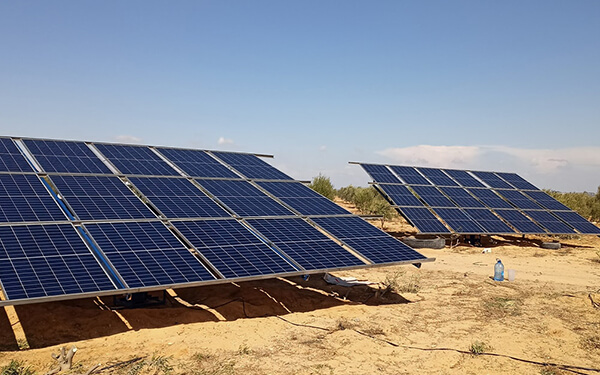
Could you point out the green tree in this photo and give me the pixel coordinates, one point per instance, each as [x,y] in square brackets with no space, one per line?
[322,185]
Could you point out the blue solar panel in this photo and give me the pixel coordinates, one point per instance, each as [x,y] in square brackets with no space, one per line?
[147,254]
[244,199]
[66,156]
[251,166]
[547,201]
[550,222]
[48,260]
[490,199]
[302,199]
[305,244]
[178,197]
[461,197]
[138,160]
[459,221]
[409,175]
[437,176]
[492,180]
[374,244]
[516,181]
[400,195]
[11,159]
[577,221]
[101,197]
[463,178]
[24,198]
[380,173]
[520,221]
[232,249]
[424,220]
[490,222]
[432,196]
[518,199]
[197,163]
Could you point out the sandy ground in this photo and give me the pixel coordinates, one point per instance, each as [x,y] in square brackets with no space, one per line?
[428,325]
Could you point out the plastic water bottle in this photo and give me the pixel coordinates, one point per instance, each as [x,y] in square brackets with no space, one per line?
[499,271]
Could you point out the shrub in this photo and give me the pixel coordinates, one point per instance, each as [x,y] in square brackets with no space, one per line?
[322,185]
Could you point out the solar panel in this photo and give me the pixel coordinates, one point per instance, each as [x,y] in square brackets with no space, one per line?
[197,163]
[178,197]
[101,197]
[138,160]
[11,159]
[490,198]
[463,178]
[302,198]
[374,244]
[380,173]
[459,221]
[520,221]
[437,176]
[251,166]
[65,156]
[400,195]
[244,199]
[490,222]
[232,249]
[304,244]
[550,222]
[546,201]
[492,180]
[147,254]
[48,260]
[409,175]
[577,221]
[24,198]
[432,196]
[519,199]
[423,219]
[461,197]
[516,181]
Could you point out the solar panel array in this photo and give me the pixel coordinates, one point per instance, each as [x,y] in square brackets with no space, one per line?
[82,219]
[441,201]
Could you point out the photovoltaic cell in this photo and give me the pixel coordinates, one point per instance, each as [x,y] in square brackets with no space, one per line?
[303,199]
[232,249]
[461,197]
[48,260]
[101,197]
[197,163]
[432,196]
[251,166]
[546,201]
[492,180]
[463,178]
[459,221]
[380,173]
[147,254]
[520,221]
[24,198]
[178,197]
[374,244]
[400,195]
[66,156]
[437,176]
[518,199]
[305,244]
[516,181]
[11,159]
[490,222]
[577,221]
[409,175]
[490,199]
[424,220]
[550,222]
[138,160]
[244,199]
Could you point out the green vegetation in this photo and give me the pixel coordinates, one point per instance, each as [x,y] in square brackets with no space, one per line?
[586,204]
[322,185]
[368,201]
[479,347]
[16,368]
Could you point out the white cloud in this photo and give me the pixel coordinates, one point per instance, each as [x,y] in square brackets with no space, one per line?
[434,156]
[225,141]
[323,148]
[124,138]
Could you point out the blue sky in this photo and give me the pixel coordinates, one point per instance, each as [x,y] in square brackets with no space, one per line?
[510,86]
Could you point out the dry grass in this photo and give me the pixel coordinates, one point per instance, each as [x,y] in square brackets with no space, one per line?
[500,307]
